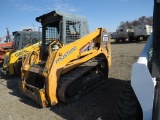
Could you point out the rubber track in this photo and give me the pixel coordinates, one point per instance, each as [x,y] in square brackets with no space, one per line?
[71,76]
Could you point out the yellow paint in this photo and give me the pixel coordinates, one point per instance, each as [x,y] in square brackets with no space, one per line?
[66,58]
[14,56]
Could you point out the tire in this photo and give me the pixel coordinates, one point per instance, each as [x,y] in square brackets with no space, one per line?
[117,40]
[128,105]
[138,39]
[156,103]
[130,39]
[123,40]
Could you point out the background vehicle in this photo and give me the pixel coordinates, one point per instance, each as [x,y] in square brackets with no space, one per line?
[139,32]
[6,44]
[141,100]
[142,31]
[67,28]
[13,59]
[123,34]
[65,71]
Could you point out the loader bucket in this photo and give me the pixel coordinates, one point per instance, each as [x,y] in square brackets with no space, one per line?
[34,93]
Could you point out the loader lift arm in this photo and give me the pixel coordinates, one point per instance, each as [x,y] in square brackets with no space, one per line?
[69,72]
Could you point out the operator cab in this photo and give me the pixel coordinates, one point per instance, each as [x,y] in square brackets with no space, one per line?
[24,38]
[63,27]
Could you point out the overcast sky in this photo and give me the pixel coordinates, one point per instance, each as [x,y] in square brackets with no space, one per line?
[20,14]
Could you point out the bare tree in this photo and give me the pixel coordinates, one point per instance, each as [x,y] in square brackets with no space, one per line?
[139,21]
[150,20]
[122,25]
[135,23]
[126,24]
[142,20]
[146,20]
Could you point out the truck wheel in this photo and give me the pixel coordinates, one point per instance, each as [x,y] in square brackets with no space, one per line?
[138,39]
[117,40]
[123,40]
[142,38]
[130,39]
[128,105]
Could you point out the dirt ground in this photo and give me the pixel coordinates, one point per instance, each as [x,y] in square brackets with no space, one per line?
[99,104]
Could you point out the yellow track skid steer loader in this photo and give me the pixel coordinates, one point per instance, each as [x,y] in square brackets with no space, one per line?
[68,71]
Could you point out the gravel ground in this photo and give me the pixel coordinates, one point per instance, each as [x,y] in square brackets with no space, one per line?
[99,104]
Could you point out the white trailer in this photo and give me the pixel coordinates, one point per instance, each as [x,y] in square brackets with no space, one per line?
[142,31]
[123,34]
